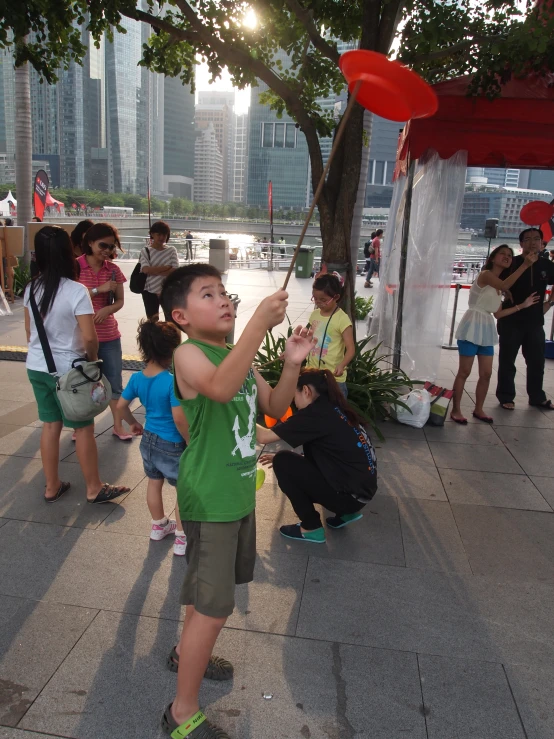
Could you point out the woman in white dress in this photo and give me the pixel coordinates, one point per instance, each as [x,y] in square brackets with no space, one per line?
[477,335]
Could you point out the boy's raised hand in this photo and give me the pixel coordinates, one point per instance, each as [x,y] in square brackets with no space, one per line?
[299,344]
[271,311]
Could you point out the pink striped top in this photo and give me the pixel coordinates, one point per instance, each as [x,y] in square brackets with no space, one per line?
[107,330]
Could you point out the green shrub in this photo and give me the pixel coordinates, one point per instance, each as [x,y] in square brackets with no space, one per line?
[362,307]
[21,276]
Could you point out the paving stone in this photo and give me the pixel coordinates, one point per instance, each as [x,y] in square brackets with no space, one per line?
[430,536]
[114,454]
[319,690]
[27,658]
[427,612]
[453,433]
[393,430]
[531,447]
[132,516]
[7,733]
[545,486]
[533,689]
[135,575]
[495,489]
[9,406]
[16,391]
[474,457]
[405,480]
[407,452]
[25,442]
[466,700]
[375,538]
[3,522]
[22,491]
[507,543]
[6,429]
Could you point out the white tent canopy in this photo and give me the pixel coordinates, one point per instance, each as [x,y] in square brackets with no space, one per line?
[5,204]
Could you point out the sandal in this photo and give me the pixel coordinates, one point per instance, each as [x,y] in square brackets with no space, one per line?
[64,487]
[123,437]
[197,727]
[462,421]
[217,669]
[485,419]
[109,492]
[545,406]
[508,406]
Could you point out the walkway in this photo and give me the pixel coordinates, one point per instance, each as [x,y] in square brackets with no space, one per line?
[431,618]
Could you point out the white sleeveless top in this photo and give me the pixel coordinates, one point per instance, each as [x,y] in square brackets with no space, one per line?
[478,324]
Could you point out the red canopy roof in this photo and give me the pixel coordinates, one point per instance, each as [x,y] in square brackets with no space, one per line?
[514,130]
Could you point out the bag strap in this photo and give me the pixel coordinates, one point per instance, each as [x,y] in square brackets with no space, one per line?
[42,333]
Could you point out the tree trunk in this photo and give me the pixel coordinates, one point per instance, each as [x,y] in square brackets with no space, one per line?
[23,151]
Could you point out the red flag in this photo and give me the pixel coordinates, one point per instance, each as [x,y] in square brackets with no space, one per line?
[41,189]
[270,206]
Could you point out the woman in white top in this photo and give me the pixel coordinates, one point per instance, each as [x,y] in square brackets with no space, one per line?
[477,334]
[157,261]
[67,314]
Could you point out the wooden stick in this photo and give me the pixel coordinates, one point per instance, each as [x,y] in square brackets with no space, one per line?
[336,142]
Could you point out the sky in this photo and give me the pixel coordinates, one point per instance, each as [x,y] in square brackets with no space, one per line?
[242,97]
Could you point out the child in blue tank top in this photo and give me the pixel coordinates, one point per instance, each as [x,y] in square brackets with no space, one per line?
[165,430]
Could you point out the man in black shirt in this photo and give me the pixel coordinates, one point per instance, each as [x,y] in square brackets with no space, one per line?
[525,329]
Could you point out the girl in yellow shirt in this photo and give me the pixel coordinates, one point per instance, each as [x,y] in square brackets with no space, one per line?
[332,329]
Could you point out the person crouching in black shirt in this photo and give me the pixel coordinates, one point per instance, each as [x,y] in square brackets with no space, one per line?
[338,469]
[524,329]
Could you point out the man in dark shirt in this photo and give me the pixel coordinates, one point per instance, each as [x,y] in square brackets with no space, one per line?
[525,329]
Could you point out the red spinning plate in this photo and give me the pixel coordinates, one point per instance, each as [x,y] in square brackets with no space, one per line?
[389,89]
[536,212]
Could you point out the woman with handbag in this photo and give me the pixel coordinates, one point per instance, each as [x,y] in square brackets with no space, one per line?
[65,311]
[157,261]
[104,282]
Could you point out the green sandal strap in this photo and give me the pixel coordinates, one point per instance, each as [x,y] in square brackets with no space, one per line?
[186,729]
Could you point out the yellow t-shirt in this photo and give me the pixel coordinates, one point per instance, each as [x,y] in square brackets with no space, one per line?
[333,350]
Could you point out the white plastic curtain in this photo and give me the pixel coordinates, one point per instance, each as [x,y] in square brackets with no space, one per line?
[435,219]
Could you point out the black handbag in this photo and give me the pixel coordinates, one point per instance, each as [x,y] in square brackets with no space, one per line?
[137,283]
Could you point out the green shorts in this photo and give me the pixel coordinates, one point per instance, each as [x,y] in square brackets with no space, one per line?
[49,408]
[219,556]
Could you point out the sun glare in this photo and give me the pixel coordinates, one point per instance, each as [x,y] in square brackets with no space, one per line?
[249,20]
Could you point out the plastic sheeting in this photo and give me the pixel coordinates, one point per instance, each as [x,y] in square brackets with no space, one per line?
[4,307]
[435,218]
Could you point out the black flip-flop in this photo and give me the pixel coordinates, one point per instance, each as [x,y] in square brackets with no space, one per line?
[485,419]
[197,727]
[217,669]
[64,487]
[546,406]
[108,492]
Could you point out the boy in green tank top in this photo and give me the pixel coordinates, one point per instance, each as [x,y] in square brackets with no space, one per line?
[220,393]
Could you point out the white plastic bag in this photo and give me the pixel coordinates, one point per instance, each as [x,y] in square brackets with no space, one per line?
[419,402]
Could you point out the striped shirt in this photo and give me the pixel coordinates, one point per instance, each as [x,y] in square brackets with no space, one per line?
[158,258]
[108,329]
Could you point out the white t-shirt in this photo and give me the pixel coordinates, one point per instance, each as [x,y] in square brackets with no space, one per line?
[62,329]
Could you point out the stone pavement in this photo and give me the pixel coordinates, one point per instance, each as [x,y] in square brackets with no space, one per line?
[430,618]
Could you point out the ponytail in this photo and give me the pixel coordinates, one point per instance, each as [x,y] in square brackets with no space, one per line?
[324,383]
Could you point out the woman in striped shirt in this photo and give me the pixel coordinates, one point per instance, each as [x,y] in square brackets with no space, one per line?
[104,281]
[157,261]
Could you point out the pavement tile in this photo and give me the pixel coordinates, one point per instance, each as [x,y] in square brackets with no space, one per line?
[319,690]
[427,612]
[533,689]
[25,442]
[132,516]
[453,433]
[27,659]
[407,452]
[410,480]
[506,543]
[545,486]
[393,430]
[16,391]
[466,700]
[532,447]
[7,733]
[6,429]
[375,538]
[496,489]
[22,490]
[430,536]
[8,406]
[484,458]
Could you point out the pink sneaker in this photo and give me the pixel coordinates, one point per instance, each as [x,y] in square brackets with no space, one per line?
[160,532]
[180,546]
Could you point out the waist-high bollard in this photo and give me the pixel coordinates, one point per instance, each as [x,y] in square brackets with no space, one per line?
[450,345]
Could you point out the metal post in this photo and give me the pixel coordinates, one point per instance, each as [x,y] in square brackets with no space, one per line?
[450,345]
[552,329]
[403,264]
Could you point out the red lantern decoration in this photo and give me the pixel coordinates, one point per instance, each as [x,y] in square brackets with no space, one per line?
[536,212]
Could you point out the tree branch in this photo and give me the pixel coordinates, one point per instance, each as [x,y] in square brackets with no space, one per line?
[158,22]
[306,19]
[454,49]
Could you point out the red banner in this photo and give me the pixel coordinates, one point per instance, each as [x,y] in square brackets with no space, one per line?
[40,191]
[270,206]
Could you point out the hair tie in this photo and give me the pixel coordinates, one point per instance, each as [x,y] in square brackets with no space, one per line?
[339,278]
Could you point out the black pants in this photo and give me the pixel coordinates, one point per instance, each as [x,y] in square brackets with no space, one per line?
[303,484]
[188,249]
[151,303]
[531,341]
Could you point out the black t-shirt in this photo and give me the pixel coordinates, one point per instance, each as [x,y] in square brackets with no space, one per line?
[342,452]
[533,280]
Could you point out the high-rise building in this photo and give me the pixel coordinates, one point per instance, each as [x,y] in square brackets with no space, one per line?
[382,159]
[240,160]
[208,167]
[504,203]
[216,107]
[179,139]
[502,177]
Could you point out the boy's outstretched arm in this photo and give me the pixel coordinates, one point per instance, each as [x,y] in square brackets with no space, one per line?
[196,374]
[274,402]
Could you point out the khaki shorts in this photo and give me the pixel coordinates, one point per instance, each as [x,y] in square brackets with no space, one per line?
[219,556]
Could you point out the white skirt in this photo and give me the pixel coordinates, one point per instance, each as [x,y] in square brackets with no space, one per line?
[478,327]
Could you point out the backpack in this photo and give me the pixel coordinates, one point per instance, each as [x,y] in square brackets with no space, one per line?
[368,249]
[137,283]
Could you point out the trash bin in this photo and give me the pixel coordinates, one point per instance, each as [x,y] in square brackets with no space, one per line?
[219,254]
[305,262]
[235,300]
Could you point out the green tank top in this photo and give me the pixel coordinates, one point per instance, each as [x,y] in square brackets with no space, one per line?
[217,471]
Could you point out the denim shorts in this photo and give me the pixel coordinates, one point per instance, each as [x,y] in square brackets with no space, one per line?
[469,349]
[112,364]
[160,458]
